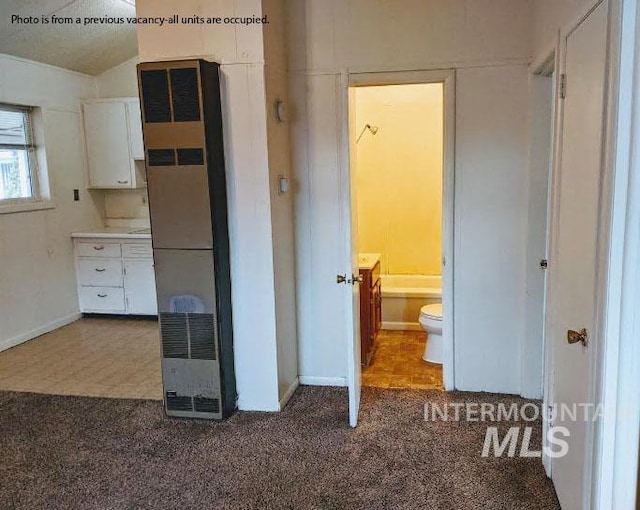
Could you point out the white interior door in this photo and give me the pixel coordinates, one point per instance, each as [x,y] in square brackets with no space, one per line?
[574,260]
[354,370]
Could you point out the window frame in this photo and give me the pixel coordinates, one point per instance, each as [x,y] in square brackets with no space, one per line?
[40,193]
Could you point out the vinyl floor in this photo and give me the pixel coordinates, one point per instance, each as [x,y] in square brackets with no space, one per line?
[397,363]
[92,357]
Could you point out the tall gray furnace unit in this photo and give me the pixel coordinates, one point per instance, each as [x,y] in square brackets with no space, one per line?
[182,125]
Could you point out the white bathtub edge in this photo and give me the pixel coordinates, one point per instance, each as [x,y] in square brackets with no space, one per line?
[412,292]
[401,326]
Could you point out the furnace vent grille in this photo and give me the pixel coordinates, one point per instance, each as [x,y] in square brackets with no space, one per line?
[188,336]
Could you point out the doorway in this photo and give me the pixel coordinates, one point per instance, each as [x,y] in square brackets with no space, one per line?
[404,257]
[398,169]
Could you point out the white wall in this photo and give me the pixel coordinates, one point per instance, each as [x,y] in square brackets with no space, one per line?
[37,278]
[407,34]
[119,81]
[277,88]
[321,345]
[399,176]
[262,315]
[488,42]
[551,15]
[490,227]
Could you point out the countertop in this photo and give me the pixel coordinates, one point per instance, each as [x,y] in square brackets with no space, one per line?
[368,260]
[115,233]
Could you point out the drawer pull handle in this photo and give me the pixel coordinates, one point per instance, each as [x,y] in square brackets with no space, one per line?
[98,248]
[100,270]
[123,182]
[102,295]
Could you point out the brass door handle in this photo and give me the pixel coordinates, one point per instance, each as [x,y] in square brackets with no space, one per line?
[356,279]
[574,337]
[341,278]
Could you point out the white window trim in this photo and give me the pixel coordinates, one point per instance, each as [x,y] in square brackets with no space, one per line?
[26,205]
[43,196]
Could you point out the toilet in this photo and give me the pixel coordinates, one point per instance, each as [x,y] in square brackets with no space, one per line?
[431,322]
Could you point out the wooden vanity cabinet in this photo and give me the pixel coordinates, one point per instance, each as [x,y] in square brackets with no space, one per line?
[370,311]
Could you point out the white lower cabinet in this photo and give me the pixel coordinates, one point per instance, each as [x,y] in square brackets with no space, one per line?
[115,276]
[100,272]
[140,287]
[102,299]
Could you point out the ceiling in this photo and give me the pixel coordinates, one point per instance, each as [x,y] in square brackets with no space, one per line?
[90,49]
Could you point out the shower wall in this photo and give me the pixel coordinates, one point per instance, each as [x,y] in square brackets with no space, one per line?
[399,176]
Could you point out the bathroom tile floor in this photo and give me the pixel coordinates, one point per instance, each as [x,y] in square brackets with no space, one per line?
[397,363]
[95,357]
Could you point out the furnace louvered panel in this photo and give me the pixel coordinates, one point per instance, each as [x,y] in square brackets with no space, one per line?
[182,126]
[174,335]
[188,336]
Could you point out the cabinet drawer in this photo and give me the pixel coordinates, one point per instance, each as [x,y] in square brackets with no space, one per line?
[102,299]
[100,272]
[98,249]
[139,250]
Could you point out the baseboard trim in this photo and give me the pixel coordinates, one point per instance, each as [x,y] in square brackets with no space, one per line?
[34,333]
[310,380]
[289,393]
[402,326]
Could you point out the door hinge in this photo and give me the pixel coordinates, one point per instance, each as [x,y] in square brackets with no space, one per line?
[544,264]
[563,86]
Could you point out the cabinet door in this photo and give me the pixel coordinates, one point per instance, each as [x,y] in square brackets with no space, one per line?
[376,310]
[106,134]
[365,318]
[140,287]
[136,144]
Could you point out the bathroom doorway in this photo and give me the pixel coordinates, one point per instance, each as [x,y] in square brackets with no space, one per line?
[399,172]
[400,176]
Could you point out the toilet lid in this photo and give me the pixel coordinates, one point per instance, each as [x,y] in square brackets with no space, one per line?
[433,311]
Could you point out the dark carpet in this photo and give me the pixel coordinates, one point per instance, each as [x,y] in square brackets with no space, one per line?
[85,453]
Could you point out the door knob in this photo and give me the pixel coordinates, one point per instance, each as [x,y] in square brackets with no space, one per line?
[574,337]
[341,278]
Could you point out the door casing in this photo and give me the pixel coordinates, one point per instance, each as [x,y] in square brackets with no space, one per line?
[547,68]
[447,78]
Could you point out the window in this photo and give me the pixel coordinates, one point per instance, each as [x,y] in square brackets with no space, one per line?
[18,161]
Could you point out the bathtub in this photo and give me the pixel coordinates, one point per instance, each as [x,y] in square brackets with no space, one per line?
[403,296]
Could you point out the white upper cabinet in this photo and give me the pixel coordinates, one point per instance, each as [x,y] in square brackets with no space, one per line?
[113,134]
[135,129]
